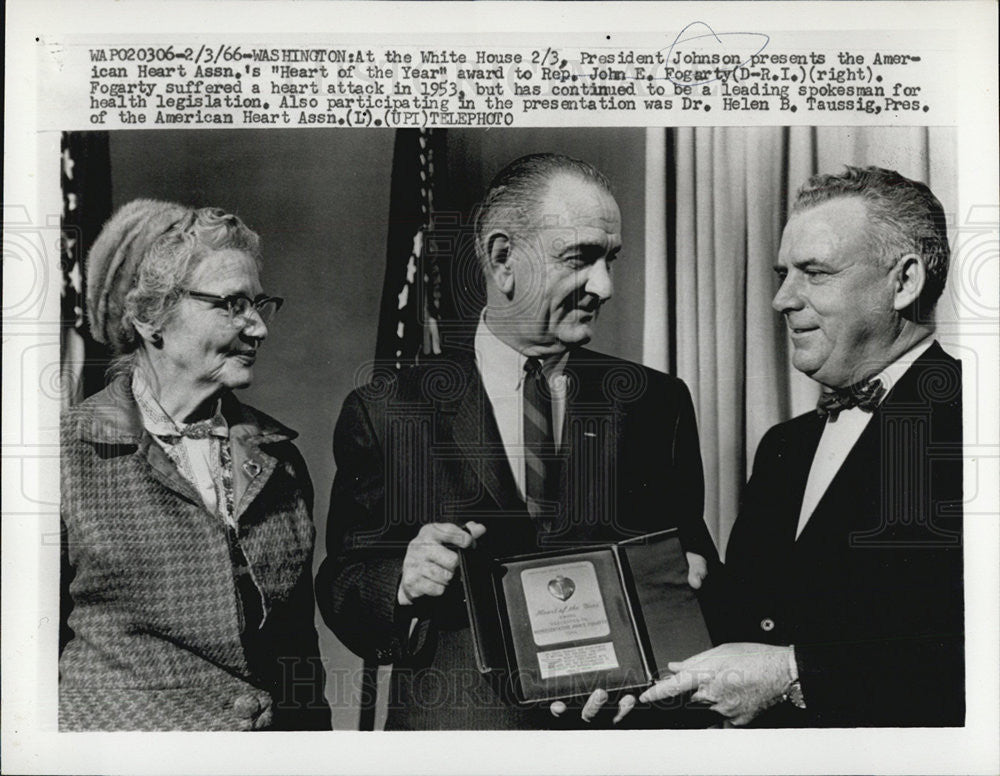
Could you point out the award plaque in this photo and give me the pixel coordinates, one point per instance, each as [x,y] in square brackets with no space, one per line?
[563,624]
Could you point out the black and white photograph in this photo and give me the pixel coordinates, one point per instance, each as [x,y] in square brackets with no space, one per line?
[604,434]
[460,314]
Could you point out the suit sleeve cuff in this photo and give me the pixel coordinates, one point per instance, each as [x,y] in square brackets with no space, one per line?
[379,599]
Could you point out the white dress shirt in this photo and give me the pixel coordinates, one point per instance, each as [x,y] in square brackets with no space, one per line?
[501,368]
[840,436]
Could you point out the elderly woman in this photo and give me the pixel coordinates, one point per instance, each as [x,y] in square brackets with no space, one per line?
[187,522]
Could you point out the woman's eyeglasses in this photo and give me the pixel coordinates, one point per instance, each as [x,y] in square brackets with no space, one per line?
[239,305]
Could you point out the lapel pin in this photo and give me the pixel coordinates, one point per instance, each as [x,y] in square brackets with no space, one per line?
[251,467]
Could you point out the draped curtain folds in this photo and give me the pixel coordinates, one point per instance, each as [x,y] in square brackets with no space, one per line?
[730,189]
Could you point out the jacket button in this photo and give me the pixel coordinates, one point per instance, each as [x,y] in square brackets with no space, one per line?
[767,624]
[246,705]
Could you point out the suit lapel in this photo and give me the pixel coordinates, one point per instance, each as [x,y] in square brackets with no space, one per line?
[589,449]
[858,465]
[165,472]
[252,468]
[475,432]
[116,420]
[801,445]
[862,468]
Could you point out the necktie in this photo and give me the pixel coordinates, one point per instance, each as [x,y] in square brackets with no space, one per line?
[865,396]
[538,442]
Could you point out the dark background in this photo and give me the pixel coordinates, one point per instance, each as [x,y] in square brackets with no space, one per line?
[320,201]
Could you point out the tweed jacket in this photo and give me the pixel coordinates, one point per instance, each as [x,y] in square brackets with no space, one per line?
[424,446]
[153,618]
[871,592]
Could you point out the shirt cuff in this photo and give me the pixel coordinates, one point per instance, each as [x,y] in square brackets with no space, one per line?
[793,666]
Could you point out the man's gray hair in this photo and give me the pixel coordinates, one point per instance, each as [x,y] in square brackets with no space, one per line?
[905,215]
[515,194]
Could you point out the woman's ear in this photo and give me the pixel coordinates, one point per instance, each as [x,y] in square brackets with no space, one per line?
[911,274]
[498,261]
[149,333]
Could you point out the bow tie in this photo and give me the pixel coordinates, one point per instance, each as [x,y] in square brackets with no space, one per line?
[865,396]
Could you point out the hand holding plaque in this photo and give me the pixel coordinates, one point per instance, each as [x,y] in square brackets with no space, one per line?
[599,698]
[429,564]
[739,681]
[562,625]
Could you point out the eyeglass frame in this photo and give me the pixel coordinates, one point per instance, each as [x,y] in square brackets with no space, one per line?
[228,300]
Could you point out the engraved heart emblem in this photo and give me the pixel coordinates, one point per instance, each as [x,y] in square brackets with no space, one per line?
[562,587]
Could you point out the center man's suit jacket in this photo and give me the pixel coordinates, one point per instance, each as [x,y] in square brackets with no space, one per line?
[423,446]
[871,592]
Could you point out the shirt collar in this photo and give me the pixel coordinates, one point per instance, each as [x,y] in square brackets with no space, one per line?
[892,373]
[502,367]
[158,422]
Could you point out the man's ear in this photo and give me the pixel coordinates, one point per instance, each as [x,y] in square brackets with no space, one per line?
[498,261]
[910,276]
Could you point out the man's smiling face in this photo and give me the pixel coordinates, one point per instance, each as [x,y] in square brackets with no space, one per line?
[562,268]
[836,297]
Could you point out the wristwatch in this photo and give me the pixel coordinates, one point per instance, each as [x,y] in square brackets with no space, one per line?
[793,693]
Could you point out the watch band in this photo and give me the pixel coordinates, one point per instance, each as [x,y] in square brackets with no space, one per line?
[793,693]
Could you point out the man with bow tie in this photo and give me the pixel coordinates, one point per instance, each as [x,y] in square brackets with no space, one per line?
[844,569]
[525,441]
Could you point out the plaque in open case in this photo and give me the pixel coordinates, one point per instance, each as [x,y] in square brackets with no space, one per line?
[562,624]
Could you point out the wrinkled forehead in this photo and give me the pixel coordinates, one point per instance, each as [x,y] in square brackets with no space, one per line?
[579,210]
[831,228]
[226,271]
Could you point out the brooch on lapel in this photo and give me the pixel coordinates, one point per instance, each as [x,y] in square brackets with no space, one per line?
[252,468]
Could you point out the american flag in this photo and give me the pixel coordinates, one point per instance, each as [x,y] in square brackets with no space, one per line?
[85,166]
[412,290]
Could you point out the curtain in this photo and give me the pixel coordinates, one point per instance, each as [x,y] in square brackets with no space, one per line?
[717,199]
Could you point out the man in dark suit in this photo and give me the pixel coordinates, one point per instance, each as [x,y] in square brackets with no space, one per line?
[844,568]
[525,442]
